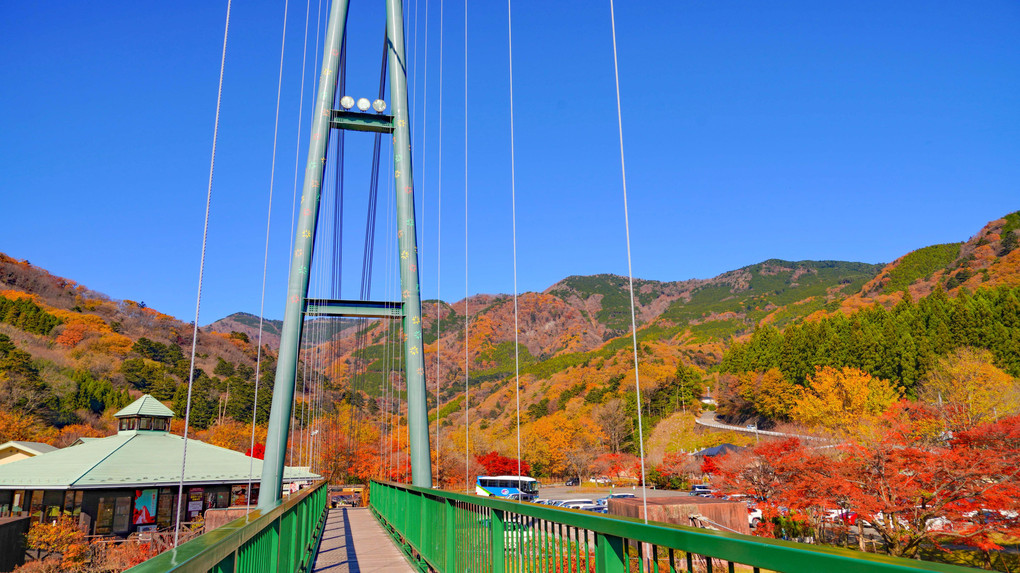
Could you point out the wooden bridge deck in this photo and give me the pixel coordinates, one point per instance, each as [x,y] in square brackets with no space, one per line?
[354,542]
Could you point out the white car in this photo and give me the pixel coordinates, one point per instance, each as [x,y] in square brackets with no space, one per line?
[605,500]
[753,517]
[574,503]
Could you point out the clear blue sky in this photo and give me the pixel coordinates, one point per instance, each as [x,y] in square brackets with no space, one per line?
[754,130]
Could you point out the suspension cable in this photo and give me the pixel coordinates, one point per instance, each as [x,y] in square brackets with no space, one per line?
[420,229]
[265,264]
[201,272]
[439,236]
[513,196]
[297,159]
[630,272]
[467,316]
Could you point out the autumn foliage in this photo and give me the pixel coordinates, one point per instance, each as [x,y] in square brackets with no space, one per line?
[916,484]
[497,465]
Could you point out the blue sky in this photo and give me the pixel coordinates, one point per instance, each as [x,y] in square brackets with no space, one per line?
[796,130]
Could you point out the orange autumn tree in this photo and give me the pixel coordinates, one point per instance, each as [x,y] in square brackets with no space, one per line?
[558,445]
[61,538]
[232,435]
[25,427]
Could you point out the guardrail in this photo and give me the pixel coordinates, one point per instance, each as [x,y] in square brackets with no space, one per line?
[282,539]
[453,532]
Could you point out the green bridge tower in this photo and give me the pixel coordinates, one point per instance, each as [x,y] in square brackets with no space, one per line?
[408,308]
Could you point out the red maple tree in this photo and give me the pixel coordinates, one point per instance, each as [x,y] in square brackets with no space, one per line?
[496,464]
[258,452]
[915,484]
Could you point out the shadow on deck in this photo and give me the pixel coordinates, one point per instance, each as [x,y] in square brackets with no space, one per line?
[354,542]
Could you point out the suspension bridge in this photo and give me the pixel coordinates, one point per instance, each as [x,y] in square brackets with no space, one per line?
[414,526]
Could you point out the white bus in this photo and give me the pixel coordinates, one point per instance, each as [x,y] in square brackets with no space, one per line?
[507,486]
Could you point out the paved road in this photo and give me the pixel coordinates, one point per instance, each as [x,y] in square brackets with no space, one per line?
[707,418]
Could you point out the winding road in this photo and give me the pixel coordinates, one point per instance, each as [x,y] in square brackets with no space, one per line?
[707,418]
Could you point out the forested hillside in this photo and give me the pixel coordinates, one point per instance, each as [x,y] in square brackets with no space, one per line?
[70,357]
[774,342]
[767,341]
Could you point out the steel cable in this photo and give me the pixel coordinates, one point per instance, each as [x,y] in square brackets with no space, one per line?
[201,272]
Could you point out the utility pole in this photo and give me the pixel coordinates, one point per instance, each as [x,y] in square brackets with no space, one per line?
[408,309]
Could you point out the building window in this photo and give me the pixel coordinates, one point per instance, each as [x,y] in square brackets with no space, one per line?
[165,507]
[18,505]
[122,515]
[143,424]
[159,423]
[72,502]
[36,508]
[104,516]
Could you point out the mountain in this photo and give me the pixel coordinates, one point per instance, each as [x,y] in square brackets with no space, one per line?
[68,354]
[575,355]
[249,325]
[989,258]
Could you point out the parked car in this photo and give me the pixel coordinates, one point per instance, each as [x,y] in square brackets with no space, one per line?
[602,480]
[990,515]
[574,481]
[605,500]
[699,489]
[754,517]
[573,503]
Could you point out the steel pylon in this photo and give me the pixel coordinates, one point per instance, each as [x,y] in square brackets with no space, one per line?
[408,309]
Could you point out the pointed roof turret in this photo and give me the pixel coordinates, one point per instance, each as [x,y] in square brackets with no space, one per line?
[145,406]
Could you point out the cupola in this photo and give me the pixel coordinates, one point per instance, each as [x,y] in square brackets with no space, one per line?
[145,414]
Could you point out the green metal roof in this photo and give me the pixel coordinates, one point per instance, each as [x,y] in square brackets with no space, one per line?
[129,459]
[145,406]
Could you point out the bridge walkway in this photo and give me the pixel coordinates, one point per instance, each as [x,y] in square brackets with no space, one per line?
[354,542]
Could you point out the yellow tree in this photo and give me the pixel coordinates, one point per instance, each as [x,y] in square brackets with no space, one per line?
[841,400]
[770,392]
[970,389]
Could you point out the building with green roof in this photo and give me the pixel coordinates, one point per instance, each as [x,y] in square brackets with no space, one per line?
[18,450]
[129,481]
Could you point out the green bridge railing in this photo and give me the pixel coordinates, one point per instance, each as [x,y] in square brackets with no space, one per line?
[281,540]
[452,532]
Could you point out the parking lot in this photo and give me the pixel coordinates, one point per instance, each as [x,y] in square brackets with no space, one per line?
[590,491]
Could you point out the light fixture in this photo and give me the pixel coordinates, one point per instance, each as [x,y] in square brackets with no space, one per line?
[379,105]
[347,102]
[364,104]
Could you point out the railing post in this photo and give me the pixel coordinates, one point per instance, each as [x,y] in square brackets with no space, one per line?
[451,542]
[498,536]
[609,557]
